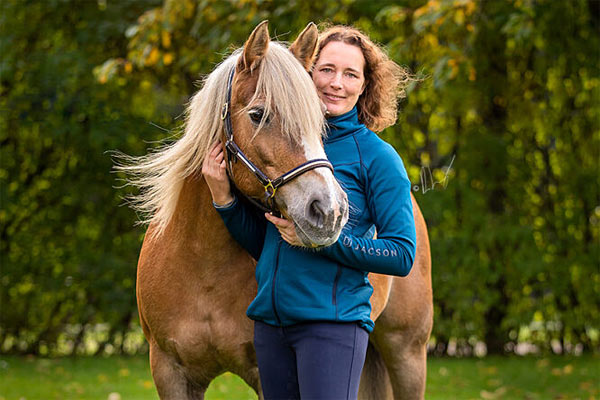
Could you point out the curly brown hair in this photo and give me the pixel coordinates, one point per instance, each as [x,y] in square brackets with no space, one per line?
[385,81]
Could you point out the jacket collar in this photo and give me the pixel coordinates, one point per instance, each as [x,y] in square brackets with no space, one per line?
[343,125]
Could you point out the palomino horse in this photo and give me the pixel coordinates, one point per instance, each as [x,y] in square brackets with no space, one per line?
[195,282]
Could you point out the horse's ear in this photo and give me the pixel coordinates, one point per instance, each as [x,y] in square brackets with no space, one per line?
[305,45]
[255,48]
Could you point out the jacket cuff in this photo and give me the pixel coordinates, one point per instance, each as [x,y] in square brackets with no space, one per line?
[227,206]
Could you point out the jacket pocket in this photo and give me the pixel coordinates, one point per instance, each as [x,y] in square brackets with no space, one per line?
[335,284]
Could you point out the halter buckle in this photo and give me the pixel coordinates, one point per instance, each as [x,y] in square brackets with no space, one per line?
[270,190]
[224,111]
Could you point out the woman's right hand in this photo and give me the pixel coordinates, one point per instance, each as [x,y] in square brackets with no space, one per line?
[215,174]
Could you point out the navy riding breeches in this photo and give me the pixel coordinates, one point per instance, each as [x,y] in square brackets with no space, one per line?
[316,360]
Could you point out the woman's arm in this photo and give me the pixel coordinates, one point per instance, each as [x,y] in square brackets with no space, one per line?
[246,226]
[389,201]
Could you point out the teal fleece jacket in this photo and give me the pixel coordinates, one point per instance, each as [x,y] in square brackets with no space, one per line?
[331,284]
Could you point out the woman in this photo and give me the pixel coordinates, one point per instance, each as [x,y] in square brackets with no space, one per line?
[312,308]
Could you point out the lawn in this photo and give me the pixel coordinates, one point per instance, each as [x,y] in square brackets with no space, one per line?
[123,378]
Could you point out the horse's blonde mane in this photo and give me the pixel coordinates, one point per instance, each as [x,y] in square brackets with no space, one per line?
[285,88]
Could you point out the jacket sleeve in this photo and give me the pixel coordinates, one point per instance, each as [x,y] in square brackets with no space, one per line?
[389,201]
[245,224]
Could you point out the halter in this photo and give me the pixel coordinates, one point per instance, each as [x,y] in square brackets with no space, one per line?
[234,153]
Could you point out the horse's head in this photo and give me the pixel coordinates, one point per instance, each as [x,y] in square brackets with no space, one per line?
[277,121]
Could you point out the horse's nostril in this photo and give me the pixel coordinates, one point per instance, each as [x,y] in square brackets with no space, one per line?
[316,213]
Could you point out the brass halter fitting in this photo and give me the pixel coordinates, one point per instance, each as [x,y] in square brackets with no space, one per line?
[224,111]
[270,190]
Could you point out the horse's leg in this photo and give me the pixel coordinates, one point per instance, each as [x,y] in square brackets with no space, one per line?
[406,361]
[401,335]
[375,381]
[396,364]
[240,348]
[170,380]
[250,376]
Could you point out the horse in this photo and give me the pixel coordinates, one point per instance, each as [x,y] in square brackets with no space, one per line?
[194,282]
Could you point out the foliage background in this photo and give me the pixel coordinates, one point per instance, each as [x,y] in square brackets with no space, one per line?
[504,128]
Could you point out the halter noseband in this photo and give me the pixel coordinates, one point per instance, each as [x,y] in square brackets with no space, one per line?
[234,153]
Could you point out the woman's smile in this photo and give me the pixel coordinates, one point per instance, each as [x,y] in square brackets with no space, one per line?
[333,97]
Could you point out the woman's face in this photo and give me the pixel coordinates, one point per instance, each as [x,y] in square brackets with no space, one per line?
[339,76]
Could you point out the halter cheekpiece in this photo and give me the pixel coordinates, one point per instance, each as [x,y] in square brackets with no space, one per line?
[234,153]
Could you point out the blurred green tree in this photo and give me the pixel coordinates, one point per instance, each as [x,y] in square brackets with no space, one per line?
[500,137]
[67,248]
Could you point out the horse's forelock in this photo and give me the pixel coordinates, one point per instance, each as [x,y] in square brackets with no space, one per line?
[288,91]
[203,116]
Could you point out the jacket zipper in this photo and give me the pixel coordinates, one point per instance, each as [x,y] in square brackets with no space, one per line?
[273,283]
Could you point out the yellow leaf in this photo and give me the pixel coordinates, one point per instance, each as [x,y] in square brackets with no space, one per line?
[459,17]
[152,57]
[128,67]
[189,9]
[470,7]
[472,74]
[25,287]
[454,72]
[583,385]
[168,58]
[419,11]
[166,39]
[434,4]
[145,85]
[124,372]
[496,394]
[494,382]
[567,369]
[431,40]
[491,370]
[148,384]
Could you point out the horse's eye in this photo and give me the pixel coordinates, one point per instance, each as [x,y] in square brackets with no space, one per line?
[256,115]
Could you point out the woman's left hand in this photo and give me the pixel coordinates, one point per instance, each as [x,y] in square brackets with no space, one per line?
[286,229]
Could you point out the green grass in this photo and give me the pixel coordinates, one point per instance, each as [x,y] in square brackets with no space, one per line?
[514,378]
[126,378]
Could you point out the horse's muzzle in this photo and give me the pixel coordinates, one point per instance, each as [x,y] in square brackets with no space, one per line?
[323,220]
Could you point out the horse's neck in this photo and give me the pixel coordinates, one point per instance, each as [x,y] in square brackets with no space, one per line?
[194,214]
[196,234]
[186,273]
